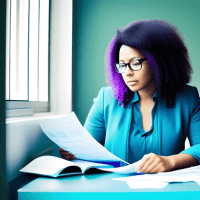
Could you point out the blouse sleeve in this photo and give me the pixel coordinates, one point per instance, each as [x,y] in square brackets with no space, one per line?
[94,123]
[194,129]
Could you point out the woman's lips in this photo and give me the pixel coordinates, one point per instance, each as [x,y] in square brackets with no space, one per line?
[132,83]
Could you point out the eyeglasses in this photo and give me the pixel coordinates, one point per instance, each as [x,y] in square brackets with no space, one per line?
[134,65]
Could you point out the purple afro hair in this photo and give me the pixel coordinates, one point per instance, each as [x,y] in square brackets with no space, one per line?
[164,49]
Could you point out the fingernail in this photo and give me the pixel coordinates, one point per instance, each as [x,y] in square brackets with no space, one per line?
[138,168]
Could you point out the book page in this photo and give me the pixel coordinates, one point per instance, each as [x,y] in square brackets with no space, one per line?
[47,165]
[68,133]
[85,165]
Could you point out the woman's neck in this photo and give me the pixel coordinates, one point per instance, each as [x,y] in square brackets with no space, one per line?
[147,93]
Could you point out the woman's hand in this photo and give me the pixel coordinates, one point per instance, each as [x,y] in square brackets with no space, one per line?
[66,155]
[152,163]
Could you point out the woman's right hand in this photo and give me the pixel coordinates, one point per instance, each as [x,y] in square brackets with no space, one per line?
[66,155]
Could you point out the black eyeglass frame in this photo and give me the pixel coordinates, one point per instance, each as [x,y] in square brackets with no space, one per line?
[140,61]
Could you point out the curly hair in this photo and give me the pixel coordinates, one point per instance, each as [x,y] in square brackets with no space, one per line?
[164,49]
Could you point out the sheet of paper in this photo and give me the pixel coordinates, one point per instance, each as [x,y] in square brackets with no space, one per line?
[68,133]
[168,179]
[193,172]
[146,184]
[198,182]
[183,175]
[187,171]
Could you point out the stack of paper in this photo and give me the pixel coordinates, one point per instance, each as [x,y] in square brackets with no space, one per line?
[161,180]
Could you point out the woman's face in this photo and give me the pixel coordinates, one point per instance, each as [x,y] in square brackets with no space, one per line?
[136,80]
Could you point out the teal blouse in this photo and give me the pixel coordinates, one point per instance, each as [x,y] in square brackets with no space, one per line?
[120,131]
[145,141]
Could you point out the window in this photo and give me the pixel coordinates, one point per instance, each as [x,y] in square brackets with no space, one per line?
[27,57]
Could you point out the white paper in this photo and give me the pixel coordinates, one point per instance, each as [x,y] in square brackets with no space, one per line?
[198,182]
[146,184]
[68,133]
[186,171]
[182,175]
[168,179]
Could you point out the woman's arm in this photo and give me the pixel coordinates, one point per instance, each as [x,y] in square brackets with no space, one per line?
[66,154]
[152,163]
[94,122]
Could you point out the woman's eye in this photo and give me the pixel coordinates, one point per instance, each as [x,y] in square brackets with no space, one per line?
[135,63]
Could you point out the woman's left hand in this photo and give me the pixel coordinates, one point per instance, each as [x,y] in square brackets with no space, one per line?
[152,163]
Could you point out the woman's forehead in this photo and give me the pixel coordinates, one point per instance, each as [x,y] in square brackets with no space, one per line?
[124,47]
[127,51]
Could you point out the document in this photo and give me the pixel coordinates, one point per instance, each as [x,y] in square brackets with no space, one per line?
[163,178]
[68,133]
[146,184]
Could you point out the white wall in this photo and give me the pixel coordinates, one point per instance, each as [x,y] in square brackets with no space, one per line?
[24,142]
[24,138]
[61,56]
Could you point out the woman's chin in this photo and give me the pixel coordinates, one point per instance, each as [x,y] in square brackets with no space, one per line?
[133,88]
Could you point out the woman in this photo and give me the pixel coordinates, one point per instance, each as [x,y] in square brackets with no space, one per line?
[148,110]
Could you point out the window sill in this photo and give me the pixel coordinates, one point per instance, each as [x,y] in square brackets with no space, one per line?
[35,116]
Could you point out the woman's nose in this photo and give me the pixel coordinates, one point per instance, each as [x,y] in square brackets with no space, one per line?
[128,71]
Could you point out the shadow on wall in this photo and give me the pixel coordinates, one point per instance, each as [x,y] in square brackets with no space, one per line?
[25,141]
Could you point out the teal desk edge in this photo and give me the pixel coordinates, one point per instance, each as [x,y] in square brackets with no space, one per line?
[102,186]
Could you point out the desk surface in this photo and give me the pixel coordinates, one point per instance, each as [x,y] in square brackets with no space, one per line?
[101,186]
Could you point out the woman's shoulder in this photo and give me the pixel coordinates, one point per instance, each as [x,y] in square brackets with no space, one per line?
[189,94]
[105,96]
[107,88]
[105,99]
[105,91]
[187,91]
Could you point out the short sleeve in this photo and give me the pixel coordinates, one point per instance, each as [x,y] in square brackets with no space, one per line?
[194,129]
[94,123]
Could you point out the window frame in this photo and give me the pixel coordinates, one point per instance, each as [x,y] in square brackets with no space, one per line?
[20,108]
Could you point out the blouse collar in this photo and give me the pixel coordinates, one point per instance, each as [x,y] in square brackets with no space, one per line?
[136,98]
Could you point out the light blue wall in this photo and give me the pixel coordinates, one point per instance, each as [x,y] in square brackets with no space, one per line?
[95,23]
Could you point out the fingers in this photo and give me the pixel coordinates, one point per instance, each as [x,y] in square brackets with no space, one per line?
[149,163]
[158,168]
[66,155]
[145,161]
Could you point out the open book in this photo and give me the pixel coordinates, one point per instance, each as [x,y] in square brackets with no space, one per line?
[56,167]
